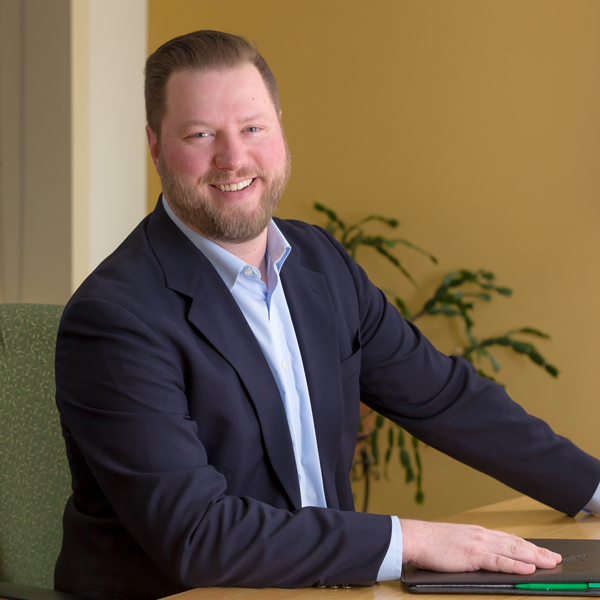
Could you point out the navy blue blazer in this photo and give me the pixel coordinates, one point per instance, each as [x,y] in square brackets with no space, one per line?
[182,463]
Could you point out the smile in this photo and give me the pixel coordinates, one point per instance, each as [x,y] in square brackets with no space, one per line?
[234,187]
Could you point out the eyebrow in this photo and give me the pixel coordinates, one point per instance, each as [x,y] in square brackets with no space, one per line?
[199,123]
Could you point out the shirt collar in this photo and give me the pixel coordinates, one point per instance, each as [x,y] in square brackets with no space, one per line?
[226,264]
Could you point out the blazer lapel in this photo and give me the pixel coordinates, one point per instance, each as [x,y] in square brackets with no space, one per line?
[217,316]
[314,321]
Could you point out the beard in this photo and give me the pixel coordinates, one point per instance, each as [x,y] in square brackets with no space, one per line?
[224,222]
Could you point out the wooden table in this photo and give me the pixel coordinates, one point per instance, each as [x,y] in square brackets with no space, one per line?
[522,516]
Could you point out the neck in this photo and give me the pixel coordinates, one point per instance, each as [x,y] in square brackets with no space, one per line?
[252,252]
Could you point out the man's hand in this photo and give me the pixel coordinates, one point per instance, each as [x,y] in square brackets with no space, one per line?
[455,548]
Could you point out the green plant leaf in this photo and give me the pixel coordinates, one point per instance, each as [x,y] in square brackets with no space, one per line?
[532,331]
[537,358]
[404,458]
[389,222]
[521,347]
[495,364]
[448,279]
[375,447]
[504,291]
[412,246]
[330,214]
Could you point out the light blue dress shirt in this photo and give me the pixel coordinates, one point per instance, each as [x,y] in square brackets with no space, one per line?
[594,504]
[266,311]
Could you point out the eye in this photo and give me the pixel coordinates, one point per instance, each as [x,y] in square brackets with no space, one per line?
[200,134]
[252,129]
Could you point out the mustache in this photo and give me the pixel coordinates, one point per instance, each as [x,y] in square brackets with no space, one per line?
[219,177]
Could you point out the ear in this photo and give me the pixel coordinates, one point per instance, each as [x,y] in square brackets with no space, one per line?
[153,145]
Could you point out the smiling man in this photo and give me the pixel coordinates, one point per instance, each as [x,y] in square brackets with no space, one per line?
[209,374]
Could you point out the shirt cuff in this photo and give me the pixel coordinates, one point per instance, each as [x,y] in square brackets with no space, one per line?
[391,567]
[594,504]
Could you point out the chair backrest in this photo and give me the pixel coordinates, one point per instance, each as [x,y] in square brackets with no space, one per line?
[34,474]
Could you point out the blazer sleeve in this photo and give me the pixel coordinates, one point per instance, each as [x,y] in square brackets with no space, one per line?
[444,402]
[124,408]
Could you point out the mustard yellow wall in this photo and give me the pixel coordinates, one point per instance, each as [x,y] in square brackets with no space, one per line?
[477,123]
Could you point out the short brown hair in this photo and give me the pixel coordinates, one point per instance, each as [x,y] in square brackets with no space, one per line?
[199,51]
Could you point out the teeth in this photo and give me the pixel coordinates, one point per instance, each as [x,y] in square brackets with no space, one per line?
[234,187]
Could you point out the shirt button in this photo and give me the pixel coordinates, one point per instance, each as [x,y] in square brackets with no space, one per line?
[284,364]
[248,271]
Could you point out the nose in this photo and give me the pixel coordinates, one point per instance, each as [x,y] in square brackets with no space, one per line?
[230,153]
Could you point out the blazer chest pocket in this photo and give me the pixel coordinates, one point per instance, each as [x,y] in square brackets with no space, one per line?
[351,365]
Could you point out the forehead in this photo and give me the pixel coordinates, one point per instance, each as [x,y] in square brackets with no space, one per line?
[232,92]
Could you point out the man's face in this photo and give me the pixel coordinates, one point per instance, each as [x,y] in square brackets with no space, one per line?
[221,132]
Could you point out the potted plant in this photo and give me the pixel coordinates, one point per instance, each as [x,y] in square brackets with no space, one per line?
[455,297]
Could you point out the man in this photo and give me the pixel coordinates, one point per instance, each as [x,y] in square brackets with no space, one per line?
[209,374]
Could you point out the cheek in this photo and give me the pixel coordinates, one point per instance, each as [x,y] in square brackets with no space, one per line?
[185,161]
[273,155]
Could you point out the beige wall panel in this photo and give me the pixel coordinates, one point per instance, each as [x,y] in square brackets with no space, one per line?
[10,149]
[477,125]
[117,169]
[46,152]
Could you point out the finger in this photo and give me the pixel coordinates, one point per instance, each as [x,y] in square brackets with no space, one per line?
[528,552]
[497,562]
[520,551]
[552,558]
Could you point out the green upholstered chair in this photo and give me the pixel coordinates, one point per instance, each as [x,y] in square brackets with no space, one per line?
[34,474]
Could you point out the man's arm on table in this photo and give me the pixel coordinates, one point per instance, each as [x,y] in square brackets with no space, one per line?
[502,443]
